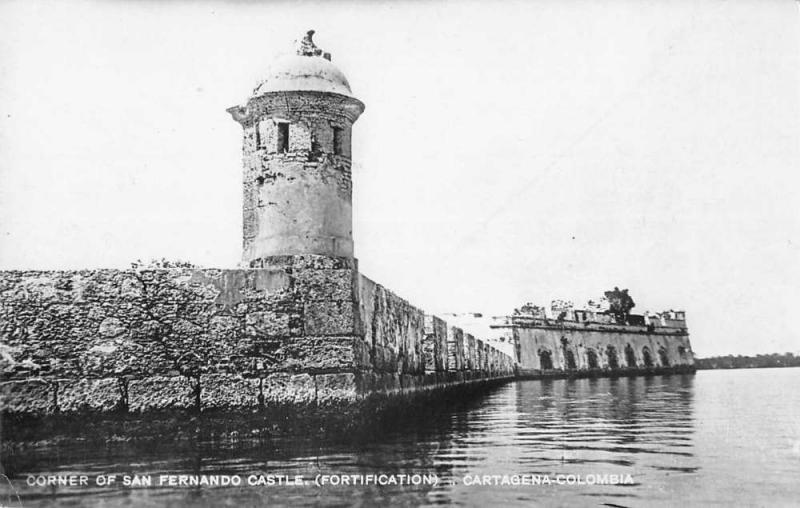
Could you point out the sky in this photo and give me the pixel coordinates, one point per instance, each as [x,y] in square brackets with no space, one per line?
[509,152]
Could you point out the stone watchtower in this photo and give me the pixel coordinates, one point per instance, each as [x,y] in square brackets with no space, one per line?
[297,162]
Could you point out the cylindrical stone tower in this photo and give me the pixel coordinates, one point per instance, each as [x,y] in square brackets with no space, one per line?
[297,160]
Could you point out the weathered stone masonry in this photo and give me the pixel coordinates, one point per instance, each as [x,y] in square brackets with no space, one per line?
[297,198]
[303,331]
[546,346]
[297,330]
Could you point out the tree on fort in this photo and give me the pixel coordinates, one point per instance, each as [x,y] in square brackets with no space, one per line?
[620,304]
[530,309]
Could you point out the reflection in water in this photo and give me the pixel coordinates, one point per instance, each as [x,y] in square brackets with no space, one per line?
[638,426]
[646,427]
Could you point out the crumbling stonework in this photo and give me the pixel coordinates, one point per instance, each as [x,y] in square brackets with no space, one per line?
[297,195]
[547,346]
[435,345]
[455,349]
[299,331]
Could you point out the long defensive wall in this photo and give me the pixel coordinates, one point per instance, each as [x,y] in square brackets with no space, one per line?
[296,331]
[306,332]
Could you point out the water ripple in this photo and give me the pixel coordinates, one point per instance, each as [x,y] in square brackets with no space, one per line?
[699,438]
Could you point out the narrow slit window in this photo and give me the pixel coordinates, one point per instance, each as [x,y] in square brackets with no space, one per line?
[259,143]
[283,137]
[337,140]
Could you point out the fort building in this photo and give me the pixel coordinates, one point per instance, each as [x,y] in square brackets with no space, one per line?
[297,330]
[564,341]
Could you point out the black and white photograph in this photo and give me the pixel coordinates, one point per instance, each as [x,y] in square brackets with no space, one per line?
[399,253]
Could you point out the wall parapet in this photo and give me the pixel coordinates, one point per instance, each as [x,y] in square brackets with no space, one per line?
[554,324]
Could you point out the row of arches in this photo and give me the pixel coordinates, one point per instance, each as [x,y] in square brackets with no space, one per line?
[612,357]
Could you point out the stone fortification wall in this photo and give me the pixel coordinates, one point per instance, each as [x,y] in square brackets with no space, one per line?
[594,347]
[296,331]
[411,350]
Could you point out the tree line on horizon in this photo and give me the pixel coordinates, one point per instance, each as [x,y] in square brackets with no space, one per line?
[748,362]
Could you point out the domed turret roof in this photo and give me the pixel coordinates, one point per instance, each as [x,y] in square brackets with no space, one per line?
[310,69]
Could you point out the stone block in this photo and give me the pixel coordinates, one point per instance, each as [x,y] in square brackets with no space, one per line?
[104,358]
[412,337]
[326,284]
[229,391]
[282,389]
[470,354]
[385,359]
[271,281]
[366,301]
[160,392]
[269,324]
[436,332]
[336,389]
[90,395]
[429,352]
[31,397]
[368,383]
[325,353]
[455,349]
[310,354]
[331,318]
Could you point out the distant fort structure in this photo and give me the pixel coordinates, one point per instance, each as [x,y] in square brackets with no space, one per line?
[565,341]
[297,330]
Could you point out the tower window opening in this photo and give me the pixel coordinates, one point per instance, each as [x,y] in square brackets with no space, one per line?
[283,137]
[259,141]
[337,141]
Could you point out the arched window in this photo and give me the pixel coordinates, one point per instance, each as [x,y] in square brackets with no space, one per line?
[630,357]
[647,357]
[662,355]
[570,357]
[545,359]
[591,359]
[613,360]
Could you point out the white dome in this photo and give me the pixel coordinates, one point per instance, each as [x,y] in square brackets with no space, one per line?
[304,73]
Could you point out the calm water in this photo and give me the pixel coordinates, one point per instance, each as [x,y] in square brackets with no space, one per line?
[718,437]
